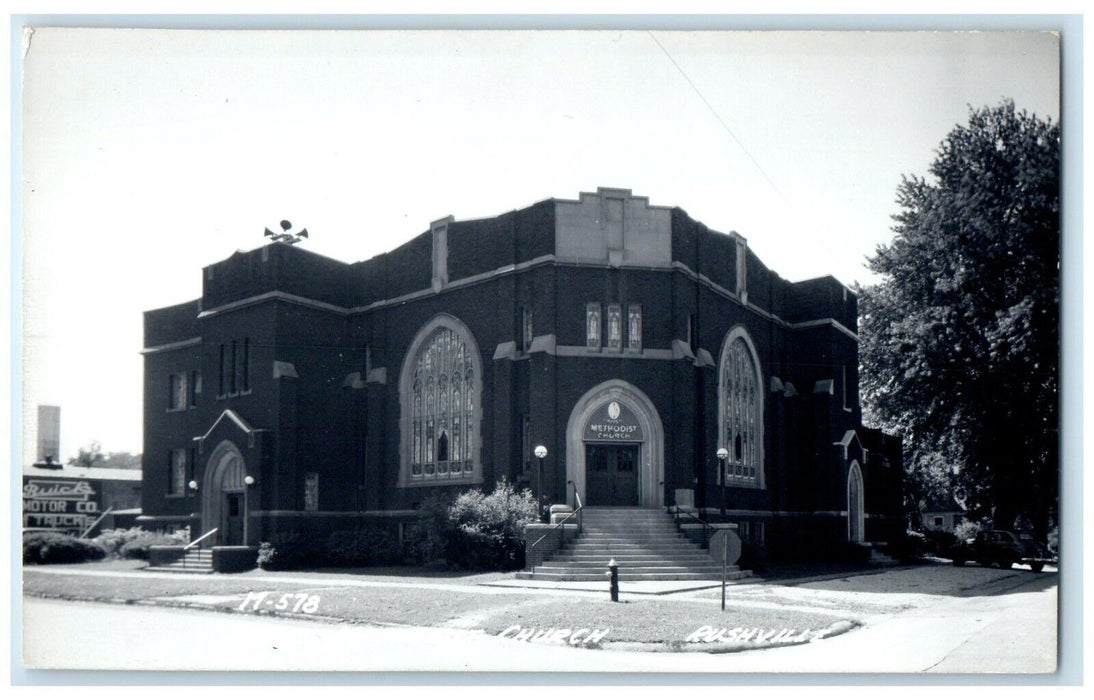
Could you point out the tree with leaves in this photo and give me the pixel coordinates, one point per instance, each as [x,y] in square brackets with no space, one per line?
[90,455]
[960,337]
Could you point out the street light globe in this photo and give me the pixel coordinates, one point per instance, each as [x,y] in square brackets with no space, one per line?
[249,480]
[540,451]
[193,485]
[723,453]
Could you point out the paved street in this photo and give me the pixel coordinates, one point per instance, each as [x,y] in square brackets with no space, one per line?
[930,619]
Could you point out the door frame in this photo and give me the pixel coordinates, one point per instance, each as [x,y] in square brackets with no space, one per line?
[651,451]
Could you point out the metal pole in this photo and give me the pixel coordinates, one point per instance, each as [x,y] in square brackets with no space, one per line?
[539,490]
[722,466]
[725,555]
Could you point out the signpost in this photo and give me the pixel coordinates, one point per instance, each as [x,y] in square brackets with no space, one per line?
[726,544]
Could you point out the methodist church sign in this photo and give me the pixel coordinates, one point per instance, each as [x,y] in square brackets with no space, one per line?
[613,422]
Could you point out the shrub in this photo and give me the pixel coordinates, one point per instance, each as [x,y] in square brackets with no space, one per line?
[427,538]
[134,542]
[487,531]
[58,548]
[907,546]
[939,541]
[285,551]
[367,546]
[967,530]
[137,546]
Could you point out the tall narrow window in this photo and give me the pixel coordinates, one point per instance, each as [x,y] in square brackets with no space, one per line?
[311,491]
[443,386]
[176,479]
[615,326]
[176,398]
[233,385]
[740,410]
[634,327]
[222,388]
[245,366]
[195,387]
[526,331]
[592,326]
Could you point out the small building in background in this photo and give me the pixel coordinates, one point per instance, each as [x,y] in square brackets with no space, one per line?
[942,514]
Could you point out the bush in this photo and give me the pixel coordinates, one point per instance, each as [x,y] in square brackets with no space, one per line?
[285,551]
[137,547]
[58,548]
[939,541]
[907,546]
[134,542]
[967,530]
[487,531]
[427,538]
[367,546]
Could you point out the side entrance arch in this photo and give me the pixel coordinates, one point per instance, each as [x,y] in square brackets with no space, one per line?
[224,496]
[615,447]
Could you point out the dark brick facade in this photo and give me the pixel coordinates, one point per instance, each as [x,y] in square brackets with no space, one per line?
[320,347]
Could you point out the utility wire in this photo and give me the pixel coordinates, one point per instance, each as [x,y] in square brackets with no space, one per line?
[726,126]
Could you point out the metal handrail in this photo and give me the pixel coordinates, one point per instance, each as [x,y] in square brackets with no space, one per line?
[200,538]
[560,523]
[707,528]
[97,521]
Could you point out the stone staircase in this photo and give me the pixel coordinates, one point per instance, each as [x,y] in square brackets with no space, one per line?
[644,543]
[193,561]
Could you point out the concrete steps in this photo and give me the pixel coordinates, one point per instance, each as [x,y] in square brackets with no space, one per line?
[644,543]
[194,561]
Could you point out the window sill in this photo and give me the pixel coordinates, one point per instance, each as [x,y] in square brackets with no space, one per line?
[419,482]
[177,410]
[174,496]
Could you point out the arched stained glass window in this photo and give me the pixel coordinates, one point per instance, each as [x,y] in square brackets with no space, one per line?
[741,413]
[441,407]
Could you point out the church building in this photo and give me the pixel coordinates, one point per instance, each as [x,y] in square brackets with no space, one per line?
[655,359]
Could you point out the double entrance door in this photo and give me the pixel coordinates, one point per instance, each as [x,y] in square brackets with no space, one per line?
[611,475]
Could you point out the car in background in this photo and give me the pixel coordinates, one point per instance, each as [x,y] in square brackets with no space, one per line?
[1003,548]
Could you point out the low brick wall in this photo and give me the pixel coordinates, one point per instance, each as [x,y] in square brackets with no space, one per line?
[230,560]
[555,538]
[162,555]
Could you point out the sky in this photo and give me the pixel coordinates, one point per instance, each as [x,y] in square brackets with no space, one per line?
[148,154]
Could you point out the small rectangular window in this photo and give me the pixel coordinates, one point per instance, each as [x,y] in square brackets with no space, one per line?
[592,326]
[615,326]
[177,392]
[176,478]
[634,327]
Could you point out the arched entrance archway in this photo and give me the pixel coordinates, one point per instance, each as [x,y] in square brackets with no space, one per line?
[639,439]
[856,516]
[224,496]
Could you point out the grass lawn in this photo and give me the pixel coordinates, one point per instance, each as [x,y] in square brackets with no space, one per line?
[427,599]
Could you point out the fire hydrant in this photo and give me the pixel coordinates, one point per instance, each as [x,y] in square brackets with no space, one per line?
[613,578]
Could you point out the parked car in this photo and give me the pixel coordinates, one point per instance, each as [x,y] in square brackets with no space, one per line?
[1003,548]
